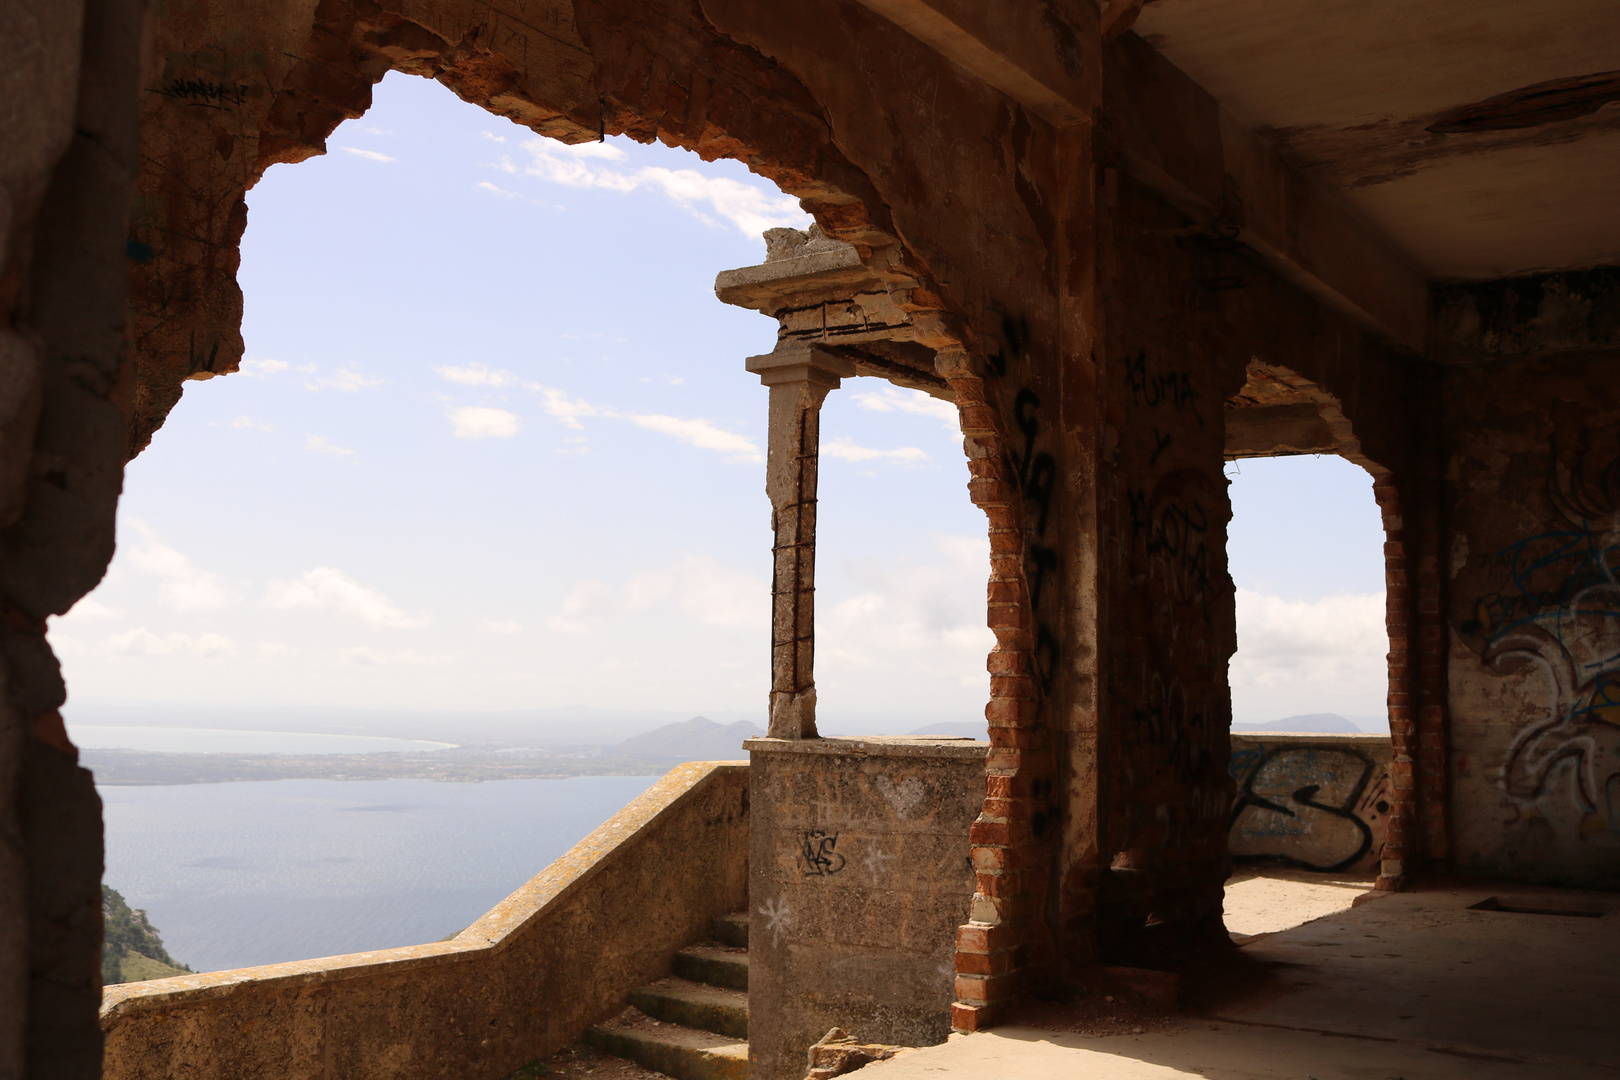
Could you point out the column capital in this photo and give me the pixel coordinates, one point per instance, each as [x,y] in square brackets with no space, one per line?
[801,362]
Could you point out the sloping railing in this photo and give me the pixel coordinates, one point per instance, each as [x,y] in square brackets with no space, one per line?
[561,953]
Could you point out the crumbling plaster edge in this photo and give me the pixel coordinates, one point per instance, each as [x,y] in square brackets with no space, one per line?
[552,886]
[875,746]
[1322,738]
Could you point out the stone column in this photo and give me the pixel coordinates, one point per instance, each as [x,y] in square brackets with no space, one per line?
[799,376]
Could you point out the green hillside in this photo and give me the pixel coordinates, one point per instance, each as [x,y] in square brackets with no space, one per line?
[131,949]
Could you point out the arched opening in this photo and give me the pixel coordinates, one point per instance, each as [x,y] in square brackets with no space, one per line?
[489,477]
[1311,752]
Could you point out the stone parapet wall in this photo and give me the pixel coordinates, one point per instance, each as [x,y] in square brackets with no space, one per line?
[561,953]
[859,878]
[1313,802]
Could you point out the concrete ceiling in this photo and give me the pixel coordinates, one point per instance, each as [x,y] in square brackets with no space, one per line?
[1349,90]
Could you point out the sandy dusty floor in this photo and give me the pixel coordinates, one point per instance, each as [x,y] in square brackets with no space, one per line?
[1449,983]
[1281,900]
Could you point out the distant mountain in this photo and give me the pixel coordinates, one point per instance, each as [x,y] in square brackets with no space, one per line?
[957,729]
[1324,723]
[697,739]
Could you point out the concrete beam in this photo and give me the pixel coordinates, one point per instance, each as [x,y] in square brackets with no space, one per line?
[1033,53]
[1175,138]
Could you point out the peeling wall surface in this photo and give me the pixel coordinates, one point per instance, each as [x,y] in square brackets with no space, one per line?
[1098,246]
[1534,480]
[859,875]
[1311,802]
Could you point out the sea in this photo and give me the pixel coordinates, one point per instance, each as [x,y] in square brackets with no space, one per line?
[239,874]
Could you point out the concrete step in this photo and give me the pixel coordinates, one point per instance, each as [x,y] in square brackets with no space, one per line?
[695,1005]
[717,967]
[670,1049]
[732,929]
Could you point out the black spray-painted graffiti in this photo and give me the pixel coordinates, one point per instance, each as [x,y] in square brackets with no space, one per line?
[1172,387]
[1311,806]
[1171,520]
[1177,727]
[1560,616]
[818,851]
[206,92]
[1035,473]
[1173,526]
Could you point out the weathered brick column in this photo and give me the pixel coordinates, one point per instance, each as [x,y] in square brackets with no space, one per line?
[799,377]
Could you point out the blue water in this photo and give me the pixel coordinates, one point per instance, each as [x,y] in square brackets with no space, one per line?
[234,875]
[180,740]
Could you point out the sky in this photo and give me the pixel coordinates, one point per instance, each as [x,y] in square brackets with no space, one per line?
[493,447]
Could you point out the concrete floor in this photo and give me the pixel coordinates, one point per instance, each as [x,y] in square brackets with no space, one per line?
[1409,986]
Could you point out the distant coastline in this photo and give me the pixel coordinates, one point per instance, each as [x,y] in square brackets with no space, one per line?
[133,768]
[648,754]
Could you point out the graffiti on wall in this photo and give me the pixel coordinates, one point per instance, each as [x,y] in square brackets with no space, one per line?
[1557,615]
[1034,472]
[1309,805]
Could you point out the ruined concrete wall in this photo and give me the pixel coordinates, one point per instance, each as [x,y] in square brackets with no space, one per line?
[1533,494]
[880,136]
[1168,623]
[859,877]
[1312,802]
[561,953]
[68,135]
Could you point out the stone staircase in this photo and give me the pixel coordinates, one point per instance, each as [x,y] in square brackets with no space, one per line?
[694,1024]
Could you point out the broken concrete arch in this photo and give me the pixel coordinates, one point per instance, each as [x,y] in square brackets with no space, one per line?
[217,117]
[1093,248]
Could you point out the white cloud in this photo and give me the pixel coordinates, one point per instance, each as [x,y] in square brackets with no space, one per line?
[183,586]
[273,648]
[1282,631]
[1305,656]
[752,208]
[578,607]
[492,137]
[915,402]
[320,444]
[142,642]
[369,155]
[705,589]
[247,422]
[503,626]
[481,422]
[477,375]
[89,609]
[485,185]
[261,368]
[702,589]
[703,435]
[346,380]
[914,631]
[330,590]
[383,658]
[845,449]
[567,410]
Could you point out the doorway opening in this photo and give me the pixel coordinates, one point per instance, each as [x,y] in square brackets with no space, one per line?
[902,558]
[1311,750]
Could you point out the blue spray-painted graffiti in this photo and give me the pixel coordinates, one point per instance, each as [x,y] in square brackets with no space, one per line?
[1560,615]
